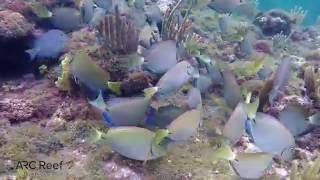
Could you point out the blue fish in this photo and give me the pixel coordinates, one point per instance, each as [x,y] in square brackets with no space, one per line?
[48,45]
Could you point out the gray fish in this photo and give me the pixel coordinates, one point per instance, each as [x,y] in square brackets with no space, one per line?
[234,128]
[105,4]
[202,83]
[154,14]
[48,45]
[172,81]
[160,57]
[293,118]
[272,136]
[66,19]
[280,79]
[139,4]
[224,6]
[252,165]
[97,17]
[193,98]
[231,89]
[185,125]
[133,142]
[87,10]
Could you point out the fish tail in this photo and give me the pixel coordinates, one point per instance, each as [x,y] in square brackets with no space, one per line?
[149,92]
[107,119]
[32,53]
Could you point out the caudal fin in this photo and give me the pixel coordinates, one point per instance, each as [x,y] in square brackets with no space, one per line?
[32,53]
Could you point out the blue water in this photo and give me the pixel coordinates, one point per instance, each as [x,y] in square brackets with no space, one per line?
[312,6]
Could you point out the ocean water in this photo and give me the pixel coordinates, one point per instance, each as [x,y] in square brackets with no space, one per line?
[312,6]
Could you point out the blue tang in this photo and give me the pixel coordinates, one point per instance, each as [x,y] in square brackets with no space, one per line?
[48,45]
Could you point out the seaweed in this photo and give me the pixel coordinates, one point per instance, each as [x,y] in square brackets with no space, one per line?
[64,81]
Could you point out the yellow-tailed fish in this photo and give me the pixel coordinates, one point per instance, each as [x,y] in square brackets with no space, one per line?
[271,136]
[231,89]
[234,128]
[88,72]
[174,79]
[133,142]
[252,165]
[293,118]
[185,125]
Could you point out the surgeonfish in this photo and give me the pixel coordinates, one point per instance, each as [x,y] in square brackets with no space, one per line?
[224,6]
[271,136]
[280,79]
[87,10]
[48,45]
[160,57]
[185,125]
[88,73]
[234,128]
[252,165]
[172,80]
[126,112]
[231,89]
[132,142]
[292,117]
[66,19]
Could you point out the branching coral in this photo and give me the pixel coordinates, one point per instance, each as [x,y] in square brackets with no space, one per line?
[312,82]
[280,41]
[298,14]
[172,29]
[119,34]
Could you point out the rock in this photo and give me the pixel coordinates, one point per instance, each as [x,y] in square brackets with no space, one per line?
[13,25]
[274,22]
[15,35]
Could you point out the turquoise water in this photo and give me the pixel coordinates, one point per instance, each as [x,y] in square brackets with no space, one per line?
[312,6]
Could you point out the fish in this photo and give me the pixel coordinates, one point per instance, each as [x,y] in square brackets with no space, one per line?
[231,89]
[193,98]
[97,17]
[139,4]
[271,136]
[154,15]
[224,6]
[41,11]
[246,45]
[172,80]
[49,45]
[163,116]
[224,24]
[185,125]
[66,19]
[160,57]
[203,83]
[292,117]
[133,142]
[280,79]
[234,128]
[87,10]
[124,112]
[105,4]
[252,165]
[88,73]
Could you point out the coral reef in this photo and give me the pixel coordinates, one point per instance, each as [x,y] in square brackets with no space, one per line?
[119,34]
[274,22]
